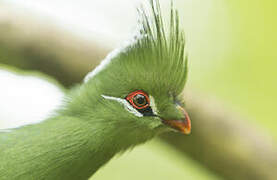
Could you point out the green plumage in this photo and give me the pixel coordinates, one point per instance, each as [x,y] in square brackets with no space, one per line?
[89,129]
[153,59]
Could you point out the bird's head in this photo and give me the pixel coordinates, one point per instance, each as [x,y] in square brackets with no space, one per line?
[142,82]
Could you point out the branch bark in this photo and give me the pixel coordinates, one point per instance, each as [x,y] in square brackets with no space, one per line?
[32,42]
[223,141]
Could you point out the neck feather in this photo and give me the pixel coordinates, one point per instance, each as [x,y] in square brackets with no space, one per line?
[63,147]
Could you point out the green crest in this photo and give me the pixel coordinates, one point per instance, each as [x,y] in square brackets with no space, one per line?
[154,59]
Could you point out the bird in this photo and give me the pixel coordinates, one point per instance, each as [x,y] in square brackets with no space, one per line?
[134,94]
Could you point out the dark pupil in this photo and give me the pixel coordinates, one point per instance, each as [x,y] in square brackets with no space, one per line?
[140,100]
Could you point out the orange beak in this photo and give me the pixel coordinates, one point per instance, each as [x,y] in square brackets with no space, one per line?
[183,125]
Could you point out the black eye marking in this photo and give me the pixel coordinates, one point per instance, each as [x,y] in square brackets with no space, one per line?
[147,111]
[141,102]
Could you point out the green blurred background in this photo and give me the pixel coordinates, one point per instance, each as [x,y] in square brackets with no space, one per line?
[234,56]
[232,53]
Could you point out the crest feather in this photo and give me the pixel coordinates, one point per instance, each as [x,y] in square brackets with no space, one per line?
[154,58]
[161,48]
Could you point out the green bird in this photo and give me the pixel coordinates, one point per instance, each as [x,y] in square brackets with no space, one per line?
[133,95]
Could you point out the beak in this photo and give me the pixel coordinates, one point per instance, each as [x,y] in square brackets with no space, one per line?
[183,125]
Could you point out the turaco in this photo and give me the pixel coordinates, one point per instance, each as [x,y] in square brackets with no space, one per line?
[133,95]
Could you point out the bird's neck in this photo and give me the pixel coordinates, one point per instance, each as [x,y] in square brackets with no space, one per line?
[63,147]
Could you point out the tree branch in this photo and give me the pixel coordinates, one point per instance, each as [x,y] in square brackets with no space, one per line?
[27,42]
[225,142]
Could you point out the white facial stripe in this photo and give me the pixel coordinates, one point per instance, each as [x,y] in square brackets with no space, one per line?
[127,106]
[153,105]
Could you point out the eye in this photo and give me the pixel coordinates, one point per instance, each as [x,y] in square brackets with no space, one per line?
[138,99]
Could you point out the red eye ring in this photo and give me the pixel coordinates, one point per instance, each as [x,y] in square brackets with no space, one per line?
[131,96]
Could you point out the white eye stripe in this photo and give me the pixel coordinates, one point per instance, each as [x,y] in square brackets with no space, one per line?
[127,106]
[153,105]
